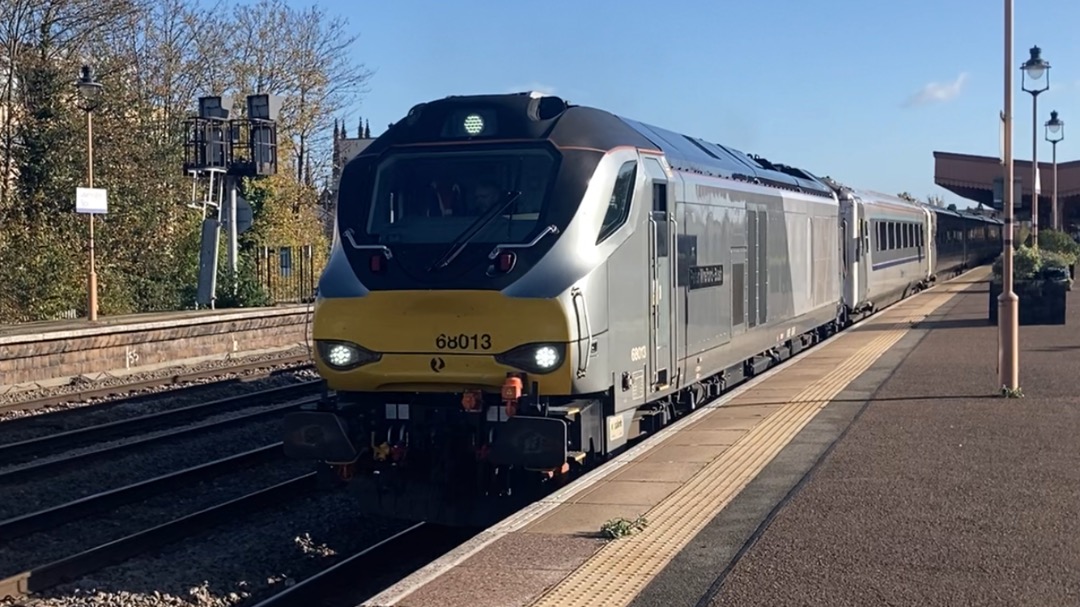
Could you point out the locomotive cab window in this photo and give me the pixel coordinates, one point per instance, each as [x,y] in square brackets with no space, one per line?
[618,210]
[432,198]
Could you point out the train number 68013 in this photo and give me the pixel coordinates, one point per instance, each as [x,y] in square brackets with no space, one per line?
[475,341]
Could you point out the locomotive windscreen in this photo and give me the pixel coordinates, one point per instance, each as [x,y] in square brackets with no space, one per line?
[431,198]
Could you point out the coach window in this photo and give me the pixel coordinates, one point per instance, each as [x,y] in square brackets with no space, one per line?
[618,210]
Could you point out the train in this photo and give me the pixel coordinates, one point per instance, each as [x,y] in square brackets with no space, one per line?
[519,288]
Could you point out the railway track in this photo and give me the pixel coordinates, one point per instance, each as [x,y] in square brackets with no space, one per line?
[78,563]
[43,577]
[360,576]
[50,466]
[90,392]
[41,520]
[26,449]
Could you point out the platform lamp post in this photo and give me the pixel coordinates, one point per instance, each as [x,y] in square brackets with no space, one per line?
[90,91]
[1055,134]
[1034,69]
[1008,302]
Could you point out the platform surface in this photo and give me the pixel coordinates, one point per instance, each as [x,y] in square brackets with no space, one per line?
[881,467]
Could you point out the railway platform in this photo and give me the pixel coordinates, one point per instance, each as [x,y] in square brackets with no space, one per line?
[52,353]
[881,467]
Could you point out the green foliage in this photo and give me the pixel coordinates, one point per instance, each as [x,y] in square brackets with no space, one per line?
[622,527]
[1061,243]
[249,289]
[42,275]
[1026,262]
[1012,392]
[1031,264]
[1054,260]
[154,58]
[46,125]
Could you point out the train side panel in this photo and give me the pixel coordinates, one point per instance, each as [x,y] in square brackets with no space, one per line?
[950,242]
[761,267]
[898,260]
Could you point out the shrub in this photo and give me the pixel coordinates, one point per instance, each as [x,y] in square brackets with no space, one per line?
[1026,263]
[1053,259]
[1061,243]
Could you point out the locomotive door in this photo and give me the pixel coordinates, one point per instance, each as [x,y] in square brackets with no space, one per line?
[662,228]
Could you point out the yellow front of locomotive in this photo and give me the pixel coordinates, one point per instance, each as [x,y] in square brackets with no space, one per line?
[441,341]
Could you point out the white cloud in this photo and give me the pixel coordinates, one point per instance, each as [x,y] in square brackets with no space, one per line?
[936,92]
[534,86]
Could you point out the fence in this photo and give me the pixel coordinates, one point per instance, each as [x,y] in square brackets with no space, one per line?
[286,274]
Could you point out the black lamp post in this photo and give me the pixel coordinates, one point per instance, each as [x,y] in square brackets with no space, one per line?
[1034,69]
[1055,133]
[90,91]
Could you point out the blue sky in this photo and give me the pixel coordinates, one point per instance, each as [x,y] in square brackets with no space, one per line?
[863,91]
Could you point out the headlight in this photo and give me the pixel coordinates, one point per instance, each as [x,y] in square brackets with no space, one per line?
[343,355]
[534,358]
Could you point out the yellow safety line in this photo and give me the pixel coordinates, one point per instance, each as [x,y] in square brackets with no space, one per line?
[620,570]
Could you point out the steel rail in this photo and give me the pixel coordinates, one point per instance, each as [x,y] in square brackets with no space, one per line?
[51,466]
[32,522]
[19,451]
[71,567]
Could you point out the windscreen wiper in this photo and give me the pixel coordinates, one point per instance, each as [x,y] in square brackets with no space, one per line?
[470,232]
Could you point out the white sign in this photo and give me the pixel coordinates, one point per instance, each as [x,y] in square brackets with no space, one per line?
[91,200]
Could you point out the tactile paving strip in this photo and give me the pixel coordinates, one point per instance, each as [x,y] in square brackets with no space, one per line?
[620,570]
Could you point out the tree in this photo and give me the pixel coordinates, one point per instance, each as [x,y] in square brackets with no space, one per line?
[155,58]
[304,56]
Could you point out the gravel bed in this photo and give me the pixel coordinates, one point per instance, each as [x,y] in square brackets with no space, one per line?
[25,425]
[238,564]
[47,546]
[60,487]
[78,384]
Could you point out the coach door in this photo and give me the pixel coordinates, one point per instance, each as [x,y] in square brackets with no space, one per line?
[662,229]
[927,240]
[863,259]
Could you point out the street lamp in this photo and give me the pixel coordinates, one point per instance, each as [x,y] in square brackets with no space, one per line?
[90,92]
[1055,133]
[1008,302]
[1033,69]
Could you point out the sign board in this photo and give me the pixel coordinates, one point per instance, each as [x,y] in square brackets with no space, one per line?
[999,193]
[91,200]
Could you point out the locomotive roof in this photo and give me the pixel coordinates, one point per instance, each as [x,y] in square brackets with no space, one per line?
[524,116]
